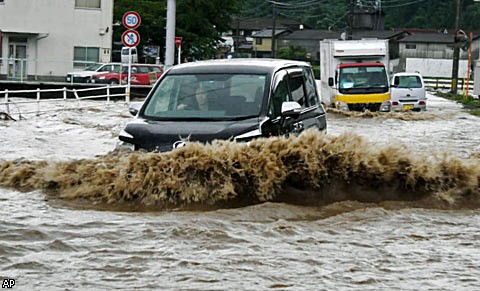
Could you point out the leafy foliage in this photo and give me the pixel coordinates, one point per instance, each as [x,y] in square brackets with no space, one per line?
[423,14]
[292,53]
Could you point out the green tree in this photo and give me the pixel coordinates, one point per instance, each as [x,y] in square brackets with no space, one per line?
[201,23]
[423,14]
[292,53]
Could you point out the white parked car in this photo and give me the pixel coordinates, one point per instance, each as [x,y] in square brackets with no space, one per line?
[86,75]
[407,92]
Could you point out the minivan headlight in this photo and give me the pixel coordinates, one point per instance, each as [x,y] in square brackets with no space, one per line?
[125,134]
[248,135]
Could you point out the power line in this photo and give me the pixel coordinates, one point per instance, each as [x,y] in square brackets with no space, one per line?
[402,4]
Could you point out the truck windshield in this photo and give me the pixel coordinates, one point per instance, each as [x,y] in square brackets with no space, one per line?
[207,96]
[356,79]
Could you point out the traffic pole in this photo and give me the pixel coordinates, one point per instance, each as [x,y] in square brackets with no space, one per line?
[170,35]
[129,74]
[456,50]
[469,65]
[179,54]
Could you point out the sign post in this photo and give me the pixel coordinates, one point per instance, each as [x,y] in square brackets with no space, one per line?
[178,44]
[130,38]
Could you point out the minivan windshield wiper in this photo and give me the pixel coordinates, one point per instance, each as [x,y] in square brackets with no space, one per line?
[200,118]
[236,118]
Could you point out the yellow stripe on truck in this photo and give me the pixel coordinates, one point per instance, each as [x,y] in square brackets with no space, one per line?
[363,98]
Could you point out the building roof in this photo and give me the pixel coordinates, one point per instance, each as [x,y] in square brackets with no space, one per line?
[320,34]
[21,31]
[259,23]
[429,38]
[311,34]
[267,33]
[434,37]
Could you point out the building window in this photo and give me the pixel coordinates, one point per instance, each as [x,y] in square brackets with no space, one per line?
[85,56]
[87,3]
[258,41]
[410,46]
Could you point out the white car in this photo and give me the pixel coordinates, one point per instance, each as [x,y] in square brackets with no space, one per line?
[86,75]
[407,92]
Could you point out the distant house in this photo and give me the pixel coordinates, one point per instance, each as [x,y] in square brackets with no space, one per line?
[242,30]
[428,45]
[262,42]
[309,39]
[43,39]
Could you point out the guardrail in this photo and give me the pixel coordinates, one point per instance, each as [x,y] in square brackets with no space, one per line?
[40,96]
[446,83]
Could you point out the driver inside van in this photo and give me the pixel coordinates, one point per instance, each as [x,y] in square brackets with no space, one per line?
[199,102]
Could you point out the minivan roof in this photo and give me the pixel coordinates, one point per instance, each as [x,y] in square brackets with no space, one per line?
[407,74]
[246,65]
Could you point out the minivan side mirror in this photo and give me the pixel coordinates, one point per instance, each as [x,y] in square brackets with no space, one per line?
[134,108]
[291,109]
[330,81]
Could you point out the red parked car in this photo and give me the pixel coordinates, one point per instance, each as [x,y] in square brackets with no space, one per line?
[141,74]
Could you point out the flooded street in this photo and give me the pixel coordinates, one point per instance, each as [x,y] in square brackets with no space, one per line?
[382,202]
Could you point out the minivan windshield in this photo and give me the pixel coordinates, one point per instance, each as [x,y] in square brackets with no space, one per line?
[207,96]
[408,81]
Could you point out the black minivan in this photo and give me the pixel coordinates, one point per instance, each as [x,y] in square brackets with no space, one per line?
[228,99]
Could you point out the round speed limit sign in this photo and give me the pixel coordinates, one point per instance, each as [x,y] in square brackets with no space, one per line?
[131,20]
[130,38]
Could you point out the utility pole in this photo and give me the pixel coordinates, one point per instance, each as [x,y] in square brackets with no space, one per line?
[170,38]
[274,53]
[350,20]
[456,50]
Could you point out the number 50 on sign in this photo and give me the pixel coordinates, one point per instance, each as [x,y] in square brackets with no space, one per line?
[131,20]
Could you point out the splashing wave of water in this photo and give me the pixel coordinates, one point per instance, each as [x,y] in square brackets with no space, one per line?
[311,169]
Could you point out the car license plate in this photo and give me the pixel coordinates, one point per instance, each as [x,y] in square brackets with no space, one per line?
[407,106]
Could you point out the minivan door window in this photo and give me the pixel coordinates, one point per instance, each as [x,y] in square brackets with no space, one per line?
[311,87]
[280,95]
[297,87]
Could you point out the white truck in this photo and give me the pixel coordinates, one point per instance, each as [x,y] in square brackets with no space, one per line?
[354,74]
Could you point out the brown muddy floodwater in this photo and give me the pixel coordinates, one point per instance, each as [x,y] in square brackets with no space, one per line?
[381,202]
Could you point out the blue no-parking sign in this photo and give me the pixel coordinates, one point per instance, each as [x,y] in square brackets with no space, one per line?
[130,38]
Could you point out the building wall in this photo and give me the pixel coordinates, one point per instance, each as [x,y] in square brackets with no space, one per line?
[266,45]
[52,29]
[422,50]
[433,51]
[439,68]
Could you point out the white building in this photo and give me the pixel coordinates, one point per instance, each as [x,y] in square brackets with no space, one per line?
[44,39]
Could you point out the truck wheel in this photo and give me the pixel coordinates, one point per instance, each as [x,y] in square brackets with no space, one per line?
[113,82]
